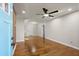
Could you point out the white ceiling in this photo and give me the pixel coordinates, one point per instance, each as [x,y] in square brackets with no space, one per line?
[36,8]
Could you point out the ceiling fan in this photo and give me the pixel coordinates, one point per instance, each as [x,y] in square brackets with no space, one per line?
[46,14]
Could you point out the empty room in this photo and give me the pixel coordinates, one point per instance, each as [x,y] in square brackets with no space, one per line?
[47,29]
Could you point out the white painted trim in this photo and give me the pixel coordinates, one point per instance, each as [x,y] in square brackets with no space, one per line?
[63,43]
[14,49]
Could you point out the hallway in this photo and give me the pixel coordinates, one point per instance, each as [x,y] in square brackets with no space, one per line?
[50,48]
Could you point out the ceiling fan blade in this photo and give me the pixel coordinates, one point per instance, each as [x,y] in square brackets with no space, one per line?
[45,10]
[53,12]
[51,16]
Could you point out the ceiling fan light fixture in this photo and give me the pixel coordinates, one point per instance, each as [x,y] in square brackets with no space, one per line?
[46,15]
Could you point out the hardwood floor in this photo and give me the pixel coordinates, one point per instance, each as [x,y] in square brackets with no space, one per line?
[34,46]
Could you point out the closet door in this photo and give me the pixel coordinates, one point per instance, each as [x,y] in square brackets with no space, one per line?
[6,38]
[6,32]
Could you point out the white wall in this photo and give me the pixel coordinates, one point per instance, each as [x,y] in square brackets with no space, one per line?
[64,29]
[19,30]
[30,29]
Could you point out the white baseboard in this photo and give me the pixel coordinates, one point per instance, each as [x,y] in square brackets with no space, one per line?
[14,49]
[63,43]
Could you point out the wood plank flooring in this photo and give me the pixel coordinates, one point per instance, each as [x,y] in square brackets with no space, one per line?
[34,46]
